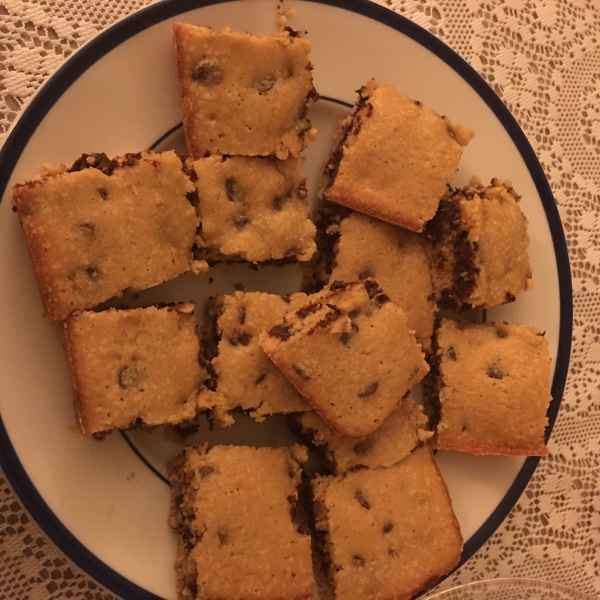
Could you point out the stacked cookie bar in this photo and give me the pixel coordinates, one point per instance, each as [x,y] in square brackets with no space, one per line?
[245,100]
[96,228]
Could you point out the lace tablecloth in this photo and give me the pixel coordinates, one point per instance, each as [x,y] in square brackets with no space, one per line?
[543,59]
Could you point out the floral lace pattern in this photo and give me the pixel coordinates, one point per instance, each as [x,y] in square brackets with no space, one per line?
[543,59]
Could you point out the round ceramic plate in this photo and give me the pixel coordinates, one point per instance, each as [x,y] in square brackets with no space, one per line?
[105,503]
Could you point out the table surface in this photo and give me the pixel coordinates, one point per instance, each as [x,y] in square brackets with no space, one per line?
[542,57]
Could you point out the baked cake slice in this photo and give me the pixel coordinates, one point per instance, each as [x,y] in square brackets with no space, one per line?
[233,508]
[243,94]
[135,366]
[252,209]
[492,388]
[244,376]
[354,246]
[401,432]
[103,225]
[393,157]
[388,532]
[477,244]
[350,353]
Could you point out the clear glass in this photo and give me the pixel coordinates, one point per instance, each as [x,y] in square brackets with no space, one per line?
[510,589]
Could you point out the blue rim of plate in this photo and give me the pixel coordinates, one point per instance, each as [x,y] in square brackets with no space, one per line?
[93,51]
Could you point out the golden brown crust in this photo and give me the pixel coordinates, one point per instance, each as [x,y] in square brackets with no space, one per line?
[95,227]
[399,177]
[493,388]
[134,366]
[243,94]
[388,532]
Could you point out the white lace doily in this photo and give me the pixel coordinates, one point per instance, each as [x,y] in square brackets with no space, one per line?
[543,59]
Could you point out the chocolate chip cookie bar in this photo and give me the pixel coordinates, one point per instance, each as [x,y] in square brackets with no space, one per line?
[477,244]
[243,94]
[245,377]
[233,508]
[103,225]
[400,433]
[252,209]
[388,532]
[492,388]
[350,353]
[135,366]
[393,157]
[354,246]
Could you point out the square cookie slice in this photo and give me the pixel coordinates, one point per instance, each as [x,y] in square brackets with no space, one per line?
[103,225]
[493,388]
[135,366]
[232,507]
[354,246]
[393,157]
[350,353]
[387,533]
[477,244]
[401,432]
[252,209]
[244,94]
[244,375]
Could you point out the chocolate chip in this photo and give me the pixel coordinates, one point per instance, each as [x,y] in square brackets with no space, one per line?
[354,313]
[393,552]
[508,297]
[369,390]
[264,84]
[132,159]
[208,72]
[241,222]
[302,190]
[261,378]
[193,198]
[240,339]
[206,471]
[277,203]
[501,333]
[88,230]
[337,285]
[345,337]
[288,71]
[302,374]
[303,312]
[358,560]
[494,372]
[418,103]
[103,193]
[223,536]
[360,497]
[365,273]
[372,289]
[388,527]
[232,189]
[452,353]
[96,160]
[381,299]
[242,315]
[93,273]
[283,332]
[130,377]
[364,447]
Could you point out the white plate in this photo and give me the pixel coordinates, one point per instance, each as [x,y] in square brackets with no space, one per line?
[102,505]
